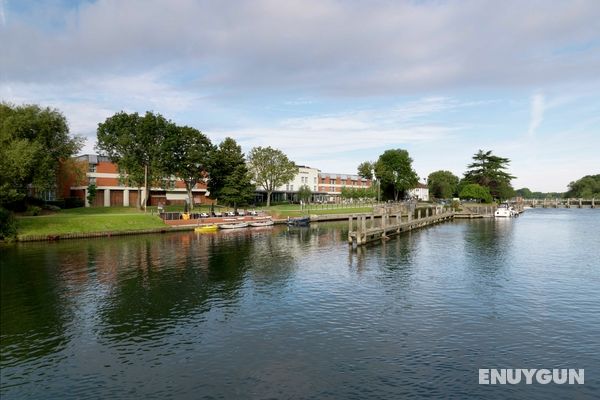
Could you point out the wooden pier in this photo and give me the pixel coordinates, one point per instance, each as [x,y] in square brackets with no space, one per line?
[367,230]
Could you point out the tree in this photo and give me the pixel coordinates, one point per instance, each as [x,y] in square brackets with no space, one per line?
[186,155]
[91,193]
[394,170]
[442,184]
[33,143]
[488,170]
[270,169]
[475,191]
[524,193]
[365,170]
[136,145]
[225,161]
[586,187]
[304,193]
[238,189]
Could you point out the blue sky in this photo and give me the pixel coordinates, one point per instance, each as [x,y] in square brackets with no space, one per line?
[331,83]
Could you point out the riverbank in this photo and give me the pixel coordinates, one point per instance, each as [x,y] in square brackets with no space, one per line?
[95,222]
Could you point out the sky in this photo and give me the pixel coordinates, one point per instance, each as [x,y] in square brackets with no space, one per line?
[330,83]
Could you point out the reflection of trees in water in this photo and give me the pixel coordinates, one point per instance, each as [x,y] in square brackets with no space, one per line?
[486,241]
[34,310]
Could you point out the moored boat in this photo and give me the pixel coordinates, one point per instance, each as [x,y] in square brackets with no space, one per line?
[266,222]
[504,210]
[206,228]
[235,225]
[301,221]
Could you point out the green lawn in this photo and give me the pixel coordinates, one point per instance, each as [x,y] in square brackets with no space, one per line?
[86,220]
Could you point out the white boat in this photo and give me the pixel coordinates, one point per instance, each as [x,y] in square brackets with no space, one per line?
[266,222]
[233,225]
[504,210]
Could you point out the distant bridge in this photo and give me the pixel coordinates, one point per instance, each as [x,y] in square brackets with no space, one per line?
[561,203]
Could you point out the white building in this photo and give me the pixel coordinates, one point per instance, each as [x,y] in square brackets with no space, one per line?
[289,191]
[421,192]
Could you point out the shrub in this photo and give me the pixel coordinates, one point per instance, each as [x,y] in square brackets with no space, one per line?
[74,202]
[33,211]
[51,207]
[8,225]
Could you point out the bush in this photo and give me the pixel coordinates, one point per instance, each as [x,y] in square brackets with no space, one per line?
[74,202]
[8,225]
[33,211]
[51,207]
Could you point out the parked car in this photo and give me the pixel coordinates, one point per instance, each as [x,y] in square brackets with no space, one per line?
[203,215]
[241,213]
[217,214]
[230,214]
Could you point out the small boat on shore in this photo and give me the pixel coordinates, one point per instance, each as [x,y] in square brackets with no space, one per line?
[266,222]
[206,228]
[234,225]
[301,221]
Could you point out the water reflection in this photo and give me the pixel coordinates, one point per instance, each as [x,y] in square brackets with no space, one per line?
[294,312]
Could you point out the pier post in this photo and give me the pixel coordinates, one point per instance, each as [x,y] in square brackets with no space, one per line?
[419,213]
[580,201]
[593,205]
[373,220]
[410,215]
[350,228]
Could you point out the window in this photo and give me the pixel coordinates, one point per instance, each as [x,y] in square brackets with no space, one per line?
[92,167]
[315,180]
[291,188]
[92,180]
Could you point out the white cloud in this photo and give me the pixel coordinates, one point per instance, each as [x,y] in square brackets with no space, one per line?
[537,113]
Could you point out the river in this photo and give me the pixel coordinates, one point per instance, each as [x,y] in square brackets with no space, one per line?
[295,313]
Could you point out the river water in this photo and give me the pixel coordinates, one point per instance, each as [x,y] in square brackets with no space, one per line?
[294,313]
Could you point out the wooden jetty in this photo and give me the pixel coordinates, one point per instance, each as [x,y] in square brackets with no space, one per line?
[367,230]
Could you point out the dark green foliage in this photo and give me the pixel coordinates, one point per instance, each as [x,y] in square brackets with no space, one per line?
[135,144]
[586,187]
[73,202]
[477,192]
[8,225]
[33,142]
[488,170]
[442,184]
[229,179]
[186,155]
[91,193]
[394,170]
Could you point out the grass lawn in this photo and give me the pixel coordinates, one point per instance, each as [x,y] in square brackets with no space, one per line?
[86,220]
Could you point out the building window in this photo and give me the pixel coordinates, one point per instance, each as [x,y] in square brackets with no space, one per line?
[92,180]
[291,188]
[314,180]
[92,167]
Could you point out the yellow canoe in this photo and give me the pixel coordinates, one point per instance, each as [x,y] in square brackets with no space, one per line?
[206,228]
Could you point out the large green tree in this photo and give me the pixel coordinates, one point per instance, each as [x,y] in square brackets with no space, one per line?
[475,191]
[442,184]
[394,170]
[136,143]
[270,169]
[226,163]
[489,171]
[33,143]
[586,187]
[186,155]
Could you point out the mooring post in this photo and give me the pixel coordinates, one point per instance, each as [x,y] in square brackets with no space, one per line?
[580,202]
[419,213]
[409,216]
[593,206]
[372,220]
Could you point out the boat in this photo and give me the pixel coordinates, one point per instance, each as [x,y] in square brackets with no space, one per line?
[266,222]
[504,210]
[206,228]
[233,225]
[301,221]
